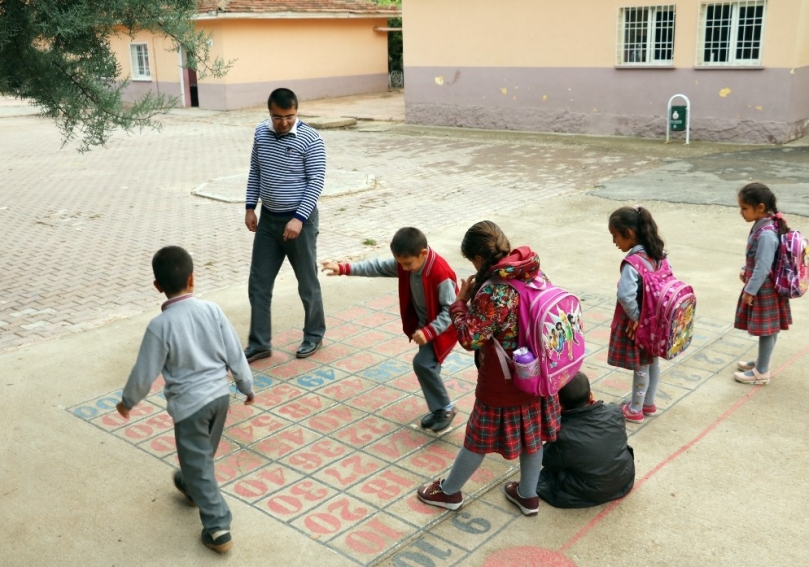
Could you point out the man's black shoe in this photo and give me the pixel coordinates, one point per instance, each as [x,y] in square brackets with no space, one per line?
[307,348]
[443,419]
[428,420]
[254,354]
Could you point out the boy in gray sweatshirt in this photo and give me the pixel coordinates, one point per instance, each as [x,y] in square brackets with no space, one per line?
[193,345]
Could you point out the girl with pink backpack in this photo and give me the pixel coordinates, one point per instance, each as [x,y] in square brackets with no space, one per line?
[634,232]
[504,419]
[761,311]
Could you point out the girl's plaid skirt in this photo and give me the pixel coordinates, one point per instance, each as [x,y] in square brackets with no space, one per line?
[511,431]
[624,352]
[769,313]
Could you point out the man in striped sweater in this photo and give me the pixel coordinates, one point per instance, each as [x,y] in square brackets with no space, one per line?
[287,169]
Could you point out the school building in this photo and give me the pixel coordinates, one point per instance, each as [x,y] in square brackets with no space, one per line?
[318,48]
[608,67]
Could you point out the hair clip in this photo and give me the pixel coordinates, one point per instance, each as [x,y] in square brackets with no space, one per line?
[637,208]
[778,216]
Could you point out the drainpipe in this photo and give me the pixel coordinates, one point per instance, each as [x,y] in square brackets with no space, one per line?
[156,79]
[182,73]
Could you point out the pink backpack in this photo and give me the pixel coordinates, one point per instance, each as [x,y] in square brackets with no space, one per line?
[551,328]
[666,322]
[790,274]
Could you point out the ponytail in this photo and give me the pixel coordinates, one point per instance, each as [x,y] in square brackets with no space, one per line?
[648,236]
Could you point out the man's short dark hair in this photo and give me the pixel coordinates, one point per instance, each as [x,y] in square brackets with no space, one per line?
[408,242]
[171,266]
[283,99]
[575,393]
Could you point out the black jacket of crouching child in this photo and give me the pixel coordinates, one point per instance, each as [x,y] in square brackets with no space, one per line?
[590,462]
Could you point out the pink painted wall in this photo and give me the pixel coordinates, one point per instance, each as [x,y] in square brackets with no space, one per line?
[552,66]
[320,57]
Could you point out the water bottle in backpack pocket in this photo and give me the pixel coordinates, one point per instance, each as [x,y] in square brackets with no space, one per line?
[551,338]
[668,307]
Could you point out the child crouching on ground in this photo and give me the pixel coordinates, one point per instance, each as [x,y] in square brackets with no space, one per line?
[427,287]
[193,345]
[590,462]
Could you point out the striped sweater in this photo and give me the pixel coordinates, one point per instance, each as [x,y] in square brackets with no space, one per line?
[286,172]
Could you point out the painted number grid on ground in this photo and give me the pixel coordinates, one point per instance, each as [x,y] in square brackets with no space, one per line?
[333,449]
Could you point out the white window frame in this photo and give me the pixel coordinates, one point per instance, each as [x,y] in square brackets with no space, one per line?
[136,52]
[645,54]
[734,44]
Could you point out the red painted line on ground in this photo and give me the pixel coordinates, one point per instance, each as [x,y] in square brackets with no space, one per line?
[612,505]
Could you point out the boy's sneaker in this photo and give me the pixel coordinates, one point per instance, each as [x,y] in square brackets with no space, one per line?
[745,365]
[629,415]
[650,409]
[219,541]
[528,506]
[752,376]
[442,419]
[179,484]
[432,494]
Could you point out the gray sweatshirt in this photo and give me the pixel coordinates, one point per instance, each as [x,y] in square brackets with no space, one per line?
[764,251]
[388,268]
[193,345]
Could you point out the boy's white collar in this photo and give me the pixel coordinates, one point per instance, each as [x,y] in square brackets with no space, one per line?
[293,130]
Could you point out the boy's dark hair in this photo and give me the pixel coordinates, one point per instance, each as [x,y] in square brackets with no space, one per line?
[640,221]
[171,266]
[408,242]
[755,194]
[575,393]
[283,98]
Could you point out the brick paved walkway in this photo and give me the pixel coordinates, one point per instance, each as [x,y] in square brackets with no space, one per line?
[80,229]
[332,448]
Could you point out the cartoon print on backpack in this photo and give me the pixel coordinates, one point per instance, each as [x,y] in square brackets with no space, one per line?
[682,329]
[563,330]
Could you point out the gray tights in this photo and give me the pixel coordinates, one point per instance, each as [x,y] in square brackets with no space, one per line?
[644,385]
[766,345]
[467,462]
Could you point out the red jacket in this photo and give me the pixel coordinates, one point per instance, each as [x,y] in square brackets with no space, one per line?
[435,271]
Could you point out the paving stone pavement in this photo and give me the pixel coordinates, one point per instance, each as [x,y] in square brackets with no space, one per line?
[80,229]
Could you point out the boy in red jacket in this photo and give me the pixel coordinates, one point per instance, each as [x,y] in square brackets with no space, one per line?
[427,287]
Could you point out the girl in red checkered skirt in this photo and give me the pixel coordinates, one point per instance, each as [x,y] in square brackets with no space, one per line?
[504,420]
[634,231]
[761,311]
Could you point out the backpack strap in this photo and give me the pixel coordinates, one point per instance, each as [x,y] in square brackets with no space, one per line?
[769,226]
[538,283]
[773,226]
[636,261]
[503,358]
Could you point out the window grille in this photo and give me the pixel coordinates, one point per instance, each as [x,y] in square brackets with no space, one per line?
[139,53]
[730,33]
[646,35]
